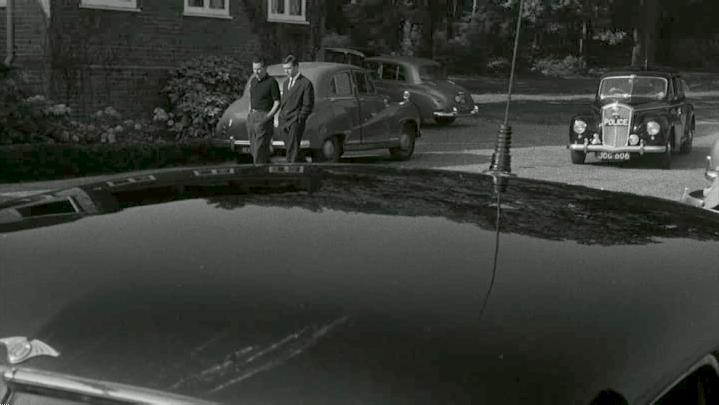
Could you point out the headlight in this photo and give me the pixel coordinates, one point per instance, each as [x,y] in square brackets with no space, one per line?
[405,95]
[580,126]
[653,127]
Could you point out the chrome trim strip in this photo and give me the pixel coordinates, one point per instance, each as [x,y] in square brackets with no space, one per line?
[602,148]
[281,144]
[707,360]
[18,378]
[455,114]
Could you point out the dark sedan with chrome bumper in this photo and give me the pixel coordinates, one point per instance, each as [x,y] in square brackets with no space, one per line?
[349,115]
[635,113]
[426,82]
[289,284]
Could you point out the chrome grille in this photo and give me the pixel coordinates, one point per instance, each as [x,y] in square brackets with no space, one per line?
[616,122]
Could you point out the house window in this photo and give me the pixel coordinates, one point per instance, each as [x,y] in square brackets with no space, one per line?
[287,11]
[2,3]
[207,8]
[110,4]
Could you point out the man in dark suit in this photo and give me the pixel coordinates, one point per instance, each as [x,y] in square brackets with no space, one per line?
[298,100]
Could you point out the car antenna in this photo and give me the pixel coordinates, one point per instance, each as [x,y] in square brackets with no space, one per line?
[501,165]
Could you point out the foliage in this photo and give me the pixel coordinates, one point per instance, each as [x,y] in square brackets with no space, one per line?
[198,93]
[335,40]
[49,161]
[559,67]
[29,119]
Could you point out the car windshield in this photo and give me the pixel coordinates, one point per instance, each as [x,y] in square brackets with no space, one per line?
[432,72]
[633,87]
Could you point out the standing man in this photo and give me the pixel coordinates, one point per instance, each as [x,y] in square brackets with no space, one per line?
[264,103]
[298,100]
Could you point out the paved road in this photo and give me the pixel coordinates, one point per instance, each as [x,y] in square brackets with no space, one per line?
[538,152]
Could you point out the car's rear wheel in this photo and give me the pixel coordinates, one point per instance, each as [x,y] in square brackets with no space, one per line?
[578,157]
[406,143]
[330,151]
[444,120]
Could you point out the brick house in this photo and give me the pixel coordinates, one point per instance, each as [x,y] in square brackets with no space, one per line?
[93,53]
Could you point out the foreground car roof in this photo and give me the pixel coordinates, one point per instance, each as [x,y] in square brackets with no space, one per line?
[407,60]
[291,284]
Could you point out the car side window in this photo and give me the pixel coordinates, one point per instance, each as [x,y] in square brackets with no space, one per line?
[699,387]
[341,85]
[389,72]
[361,81]
[372,69]
[680,88]
[401,76]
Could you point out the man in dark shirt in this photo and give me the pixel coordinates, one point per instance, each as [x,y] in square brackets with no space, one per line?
[298,100]
[264,103]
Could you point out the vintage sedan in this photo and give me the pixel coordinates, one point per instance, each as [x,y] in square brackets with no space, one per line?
[436,96]
[289,284]
[349,115]
[636,112]
[707,197]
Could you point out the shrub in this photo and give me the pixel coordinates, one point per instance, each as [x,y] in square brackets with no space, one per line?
[498,65]
[559,67]
[199,92]
[30,119]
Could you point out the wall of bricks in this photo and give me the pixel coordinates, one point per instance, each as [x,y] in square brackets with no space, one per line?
[31,44]
[121,58]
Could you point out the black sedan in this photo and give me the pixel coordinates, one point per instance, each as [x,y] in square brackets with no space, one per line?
[355,284]
[636,112]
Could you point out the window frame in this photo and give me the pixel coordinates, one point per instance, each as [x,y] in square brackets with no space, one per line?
[3,4]
[206,11]
[119,5]
[286,17]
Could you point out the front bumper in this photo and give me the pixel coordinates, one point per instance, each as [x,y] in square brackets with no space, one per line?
[242,145]
[455,112]
[641,148]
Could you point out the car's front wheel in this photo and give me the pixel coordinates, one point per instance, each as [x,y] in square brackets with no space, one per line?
[689,142]
[406,143]
[578,157]
[444,120]
[664,161]
[330,151]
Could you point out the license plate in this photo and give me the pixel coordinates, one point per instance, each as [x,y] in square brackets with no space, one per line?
[613,155]
[244,149]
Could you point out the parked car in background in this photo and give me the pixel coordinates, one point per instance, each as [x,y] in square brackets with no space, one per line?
[289,284]
[707,197]
[436,96]
[350,56]
[636,112]
[349,114]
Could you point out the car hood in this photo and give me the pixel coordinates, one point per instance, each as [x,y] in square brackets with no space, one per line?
[635,102]
[316,284]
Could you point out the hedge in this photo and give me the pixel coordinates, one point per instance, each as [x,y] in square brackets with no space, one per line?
[29,162]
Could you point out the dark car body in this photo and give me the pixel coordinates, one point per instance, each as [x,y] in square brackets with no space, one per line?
[635,112]
[349,114]
[707,197]
[426,81]
[355,284]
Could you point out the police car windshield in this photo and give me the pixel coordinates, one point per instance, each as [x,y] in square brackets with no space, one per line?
[633,87]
